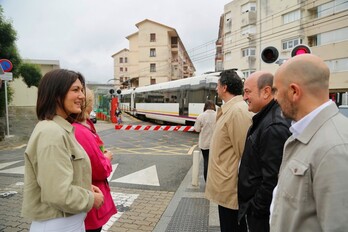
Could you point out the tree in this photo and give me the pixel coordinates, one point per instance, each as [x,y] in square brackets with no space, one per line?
[31,74]
[8,50]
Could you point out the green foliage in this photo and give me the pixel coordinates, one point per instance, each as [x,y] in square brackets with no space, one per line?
[31,74]
[8,50]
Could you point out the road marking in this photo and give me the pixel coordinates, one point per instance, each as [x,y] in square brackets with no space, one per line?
[114,166]
[158,150]
[147,176]
[16,170]
[8,164]
[20,146]
[192,149]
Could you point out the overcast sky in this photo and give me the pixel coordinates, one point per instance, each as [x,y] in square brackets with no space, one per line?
[83,34]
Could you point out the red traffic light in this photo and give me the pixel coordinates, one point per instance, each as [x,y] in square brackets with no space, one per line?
[300,49]
[269,55]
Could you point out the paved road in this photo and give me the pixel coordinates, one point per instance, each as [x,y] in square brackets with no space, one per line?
[161,157]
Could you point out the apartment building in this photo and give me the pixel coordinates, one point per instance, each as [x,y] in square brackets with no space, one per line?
[249,26]
[24,96]
[156,54]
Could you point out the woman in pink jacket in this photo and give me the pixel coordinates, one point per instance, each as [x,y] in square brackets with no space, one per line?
[100,158]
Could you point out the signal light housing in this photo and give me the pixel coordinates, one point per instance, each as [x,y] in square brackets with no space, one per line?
[300,49]
[269,55]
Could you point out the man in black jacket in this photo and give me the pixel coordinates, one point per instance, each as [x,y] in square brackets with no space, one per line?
[262,156]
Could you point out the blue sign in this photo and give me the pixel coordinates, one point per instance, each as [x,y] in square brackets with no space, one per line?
[6,65]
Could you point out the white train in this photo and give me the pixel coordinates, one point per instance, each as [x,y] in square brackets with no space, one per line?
[179,101]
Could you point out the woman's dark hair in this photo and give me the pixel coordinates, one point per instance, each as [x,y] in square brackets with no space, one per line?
[233,82]
[209,105]
[52,91]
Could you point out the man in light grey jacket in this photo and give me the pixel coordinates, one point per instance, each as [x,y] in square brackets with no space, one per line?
[312,192]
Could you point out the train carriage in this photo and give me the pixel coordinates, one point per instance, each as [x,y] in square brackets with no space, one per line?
[179,101]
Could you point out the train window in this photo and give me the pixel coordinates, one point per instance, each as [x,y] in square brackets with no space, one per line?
[139,98]
[126,98]
[154,97]
[171,95]
[197,96]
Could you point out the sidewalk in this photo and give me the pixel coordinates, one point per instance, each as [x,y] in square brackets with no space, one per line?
[189,211]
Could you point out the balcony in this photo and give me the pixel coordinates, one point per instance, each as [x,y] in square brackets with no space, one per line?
[175,61]
[218,56]
[248,18]
[219,42]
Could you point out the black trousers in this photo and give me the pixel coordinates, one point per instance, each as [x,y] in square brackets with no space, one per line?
[96,230]
[229,220]
[205,154]
[255,224]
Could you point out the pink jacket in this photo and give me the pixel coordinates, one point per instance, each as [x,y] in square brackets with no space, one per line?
[101,169]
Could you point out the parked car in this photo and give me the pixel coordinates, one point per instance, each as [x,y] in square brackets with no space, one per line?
[93,116]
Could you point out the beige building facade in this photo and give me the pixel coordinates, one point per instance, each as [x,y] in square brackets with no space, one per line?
[156,54]
[249,26]
[24,96]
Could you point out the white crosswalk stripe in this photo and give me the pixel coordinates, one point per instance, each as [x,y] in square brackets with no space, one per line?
[147,176]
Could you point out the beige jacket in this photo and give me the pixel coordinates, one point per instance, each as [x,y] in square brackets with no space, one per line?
[205,124]
[312,193]
[57,178]
[226,149]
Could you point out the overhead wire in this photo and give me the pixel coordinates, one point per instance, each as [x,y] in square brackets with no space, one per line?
[198,56]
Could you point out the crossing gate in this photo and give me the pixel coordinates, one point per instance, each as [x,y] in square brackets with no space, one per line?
[154,128]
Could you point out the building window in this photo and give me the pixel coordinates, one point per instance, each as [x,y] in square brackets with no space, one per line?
[228,56]
[152,37]
[330,8]
[248,52]
[250,6]
[247,72]
[153,81]
[152,52]
[338,65]
[291,16]
[228,38]
[328,37]
[152,67]
[121,59]
[291,43]
[228,21]
[121,69]
[126,59]
[126,69]
[121,79]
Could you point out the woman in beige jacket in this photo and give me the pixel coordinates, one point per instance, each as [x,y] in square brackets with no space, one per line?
[58,189]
